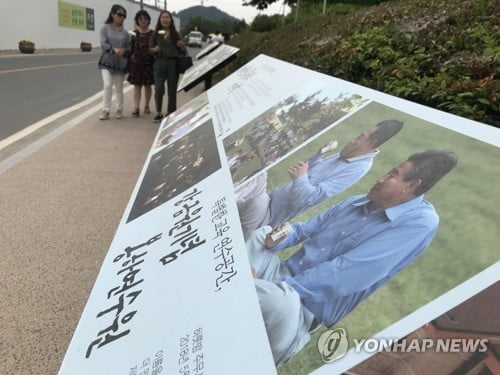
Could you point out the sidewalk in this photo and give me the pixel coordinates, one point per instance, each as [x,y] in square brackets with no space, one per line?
[59,210]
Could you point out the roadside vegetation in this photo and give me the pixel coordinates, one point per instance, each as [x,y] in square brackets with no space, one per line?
[441,53]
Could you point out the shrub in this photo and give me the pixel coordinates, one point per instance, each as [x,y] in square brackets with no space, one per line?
[265,23]
[26,42]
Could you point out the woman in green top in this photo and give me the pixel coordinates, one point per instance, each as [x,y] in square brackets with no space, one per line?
[167,46]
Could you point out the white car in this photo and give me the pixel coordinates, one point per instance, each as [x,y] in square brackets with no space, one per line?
[195,38]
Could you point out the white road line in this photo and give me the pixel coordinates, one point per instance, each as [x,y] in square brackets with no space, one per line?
[35,146]
[44,67]
[47,120]
[9,162]
[9,55]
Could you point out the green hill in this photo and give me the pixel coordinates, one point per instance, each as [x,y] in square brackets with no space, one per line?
[441,53]
[208,20]
[211,13]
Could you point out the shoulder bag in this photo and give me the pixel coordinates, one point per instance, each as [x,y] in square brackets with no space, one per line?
[184,62]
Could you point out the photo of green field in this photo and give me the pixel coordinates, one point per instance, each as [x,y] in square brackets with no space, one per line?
[284,126]
[466,201]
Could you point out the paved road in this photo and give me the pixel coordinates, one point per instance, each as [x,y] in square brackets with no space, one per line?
[36,86]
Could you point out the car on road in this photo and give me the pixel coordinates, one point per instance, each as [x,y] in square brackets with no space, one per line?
[195,38]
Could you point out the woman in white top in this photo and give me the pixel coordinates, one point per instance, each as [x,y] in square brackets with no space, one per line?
[115,46]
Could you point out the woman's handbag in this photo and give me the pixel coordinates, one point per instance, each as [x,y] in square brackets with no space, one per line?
[184,62]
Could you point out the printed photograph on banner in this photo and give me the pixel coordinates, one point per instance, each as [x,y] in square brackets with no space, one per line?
[187,118]
[285,126]
[176,168]
[464,340]
[188,108]
[364,224]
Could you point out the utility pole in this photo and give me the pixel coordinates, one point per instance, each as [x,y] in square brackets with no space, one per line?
[142,4]
[297,11]
[283,18]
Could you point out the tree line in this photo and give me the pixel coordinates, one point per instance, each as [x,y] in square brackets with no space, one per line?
[207,26]
[263,4]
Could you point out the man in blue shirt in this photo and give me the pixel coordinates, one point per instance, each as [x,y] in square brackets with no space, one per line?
[313,181]
[350,250]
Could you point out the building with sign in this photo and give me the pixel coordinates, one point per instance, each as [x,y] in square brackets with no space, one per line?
[62,24]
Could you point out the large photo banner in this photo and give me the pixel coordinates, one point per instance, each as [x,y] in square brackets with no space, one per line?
[273,213]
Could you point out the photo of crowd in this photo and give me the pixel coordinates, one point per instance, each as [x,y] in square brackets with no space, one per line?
[176,168]
[284,127]
[182,124]
[187,109]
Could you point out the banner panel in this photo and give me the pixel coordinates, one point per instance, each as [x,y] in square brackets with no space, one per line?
[343,176]
[75,16]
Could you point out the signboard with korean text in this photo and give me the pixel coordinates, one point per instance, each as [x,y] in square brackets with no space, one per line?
[206,66]
[75,16]
[181,291]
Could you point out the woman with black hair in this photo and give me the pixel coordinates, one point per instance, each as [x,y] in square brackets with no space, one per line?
[167,46]
[113,61]
[140,66]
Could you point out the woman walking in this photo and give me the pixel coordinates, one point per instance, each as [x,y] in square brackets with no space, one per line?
[141,62]
[113,61]
[167,46]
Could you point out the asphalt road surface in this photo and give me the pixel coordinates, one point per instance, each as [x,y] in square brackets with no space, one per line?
[33,87]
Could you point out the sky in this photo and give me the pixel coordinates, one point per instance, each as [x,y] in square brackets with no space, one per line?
[232,7]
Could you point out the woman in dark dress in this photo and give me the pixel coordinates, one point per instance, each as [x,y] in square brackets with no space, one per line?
[141,62]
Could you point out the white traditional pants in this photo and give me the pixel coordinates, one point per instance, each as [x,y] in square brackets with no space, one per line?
[112,79]
[253,204]
[287,321]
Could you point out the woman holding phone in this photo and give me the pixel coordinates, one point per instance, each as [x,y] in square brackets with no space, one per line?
[167,46]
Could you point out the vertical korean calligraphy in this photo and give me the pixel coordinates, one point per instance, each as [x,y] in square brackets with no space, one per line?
[127,291]
[185,235]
